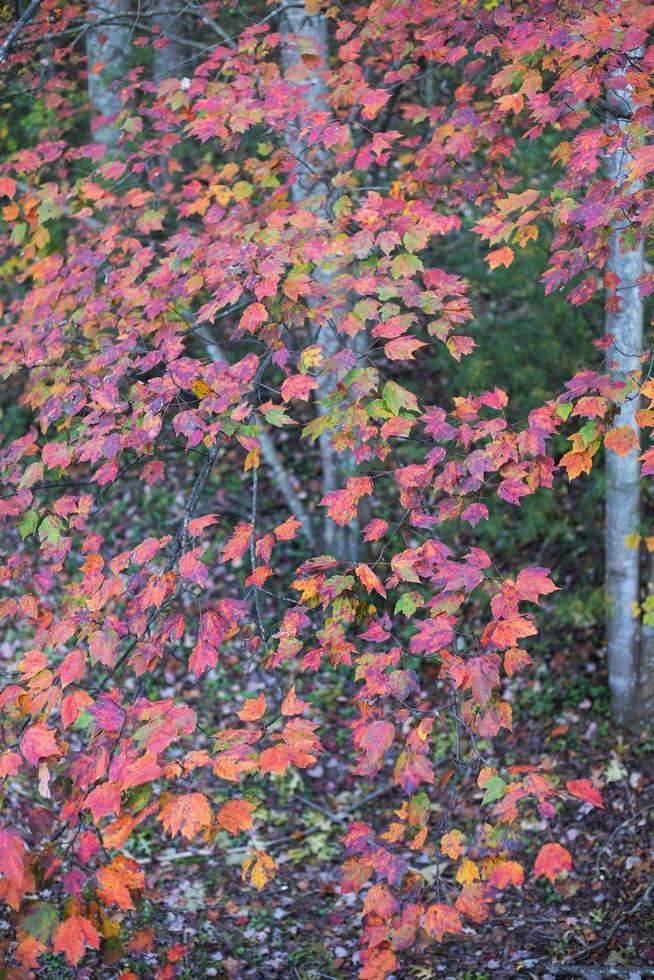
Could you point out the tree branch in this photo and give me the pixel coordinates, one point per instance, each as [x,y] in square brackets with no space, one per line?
[24,19]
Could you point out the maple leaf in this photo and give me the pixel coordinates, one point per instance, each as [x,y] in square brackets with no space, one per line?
[370,581]
[7,187]
[515,660]
[253,317]
[622,440]
[198,524]
[253,709]
[187,814]
[452,844]
[74,936]
[532,583]
[439,919]
[403,348]
[375,530]
[117,880]
[259,867]
[552,860]
[299,386]
[292,704]
[287,530]
[237,545]
[584,790]
[38,743]
[506,873]
[235,816]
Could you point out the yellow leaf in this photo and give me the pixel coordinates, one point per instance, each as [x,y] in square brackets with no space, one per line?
[200,388]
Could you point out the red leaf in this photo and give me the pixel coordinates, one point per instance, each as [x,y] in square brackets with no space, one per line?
[299,386]
[552,860]
[198,524]
[287,530]
[237,545]
[532,583]
[38,743]
[73,937]
[584,790]
[7,187]
[253,317]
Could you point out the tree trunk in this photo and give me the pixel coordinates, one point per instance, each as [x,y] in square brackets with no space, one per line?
[169,61]
[107,44]
[311,163]
[622,513]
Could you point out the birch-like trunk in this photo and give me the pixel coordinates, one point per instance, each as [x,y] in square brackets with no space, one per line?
[108,41]
[622,513]
[311,163]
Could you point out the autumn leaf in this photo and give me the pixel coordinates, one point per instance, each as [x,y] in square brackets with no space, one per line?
[253,317]
[500,256]
[259,868]
[288,530]
[237,545]
[292,704]
[506,873]
[187,814]
[439,919]
[235,816]
[253,709]
[299,386]
[369,579]
[552,860]
[74,936]
[117,880]
[622,440]
[584,790]
[452,844]
[198,524]
[38,743]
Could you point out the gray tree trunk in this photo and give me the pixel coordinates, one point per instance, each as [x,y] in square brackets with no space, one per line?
[311,163]
[627,664]
[108,41]
[170,61]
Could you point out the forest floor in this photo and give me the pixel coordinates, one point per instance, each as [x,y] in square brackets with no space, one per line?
[204,922]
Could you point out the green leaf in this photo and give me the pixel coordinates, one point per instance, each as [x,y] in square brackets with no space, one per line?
[408,603]
[495,788]
[28,524]
[39,920]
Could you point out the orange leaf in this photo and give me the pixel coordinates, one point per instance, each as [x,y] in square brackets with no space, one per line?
[73,936]
[440,919]
[500,256]
[235,816]
[451,844]
[622,440]
[236,547]
[552,860]
[117,879]
[369,579]
[187,814]
[253,708]
[292,704]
